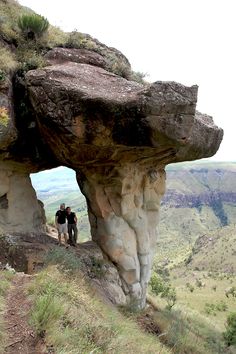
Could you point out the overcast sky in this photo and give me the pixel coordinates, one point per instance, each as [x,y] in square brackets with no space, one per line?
[189,41]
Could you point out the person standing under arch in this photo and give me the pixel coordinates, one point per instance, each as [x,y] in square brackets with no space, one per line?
[60,222]
[72,226]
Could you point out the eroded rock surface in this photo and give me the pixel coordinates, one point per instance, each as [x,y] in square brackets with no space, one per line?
[117,135]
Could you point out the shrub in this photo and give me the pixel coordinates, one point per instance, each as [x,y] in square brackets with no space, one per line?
[55,37]
[4,285]
[97,269]
[29,58]
[230,333]
[210,309]
[2,75]
[138,76]
[33,26]
[190,287]
[46,310]
[199,283]
[7,62]
[221,306]
[65,259]
[4,117]
[165,290]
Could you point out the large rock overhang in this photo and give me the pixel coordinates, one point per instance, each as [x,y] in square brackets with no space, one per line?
[118,136]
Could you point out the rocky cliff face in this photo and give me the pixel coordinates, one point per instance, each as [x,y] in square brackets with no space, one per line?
[118,136]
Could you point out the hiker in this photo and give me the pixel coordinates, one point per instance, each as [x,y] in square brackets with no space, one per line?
[72,227]
[60,222]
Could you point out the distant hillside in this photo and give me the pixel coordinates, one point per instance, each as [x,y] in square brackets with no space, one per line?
[200,198]
[215,252]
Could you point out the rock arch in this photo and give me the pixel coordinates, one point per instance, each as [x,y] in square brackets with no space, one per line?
[118,136]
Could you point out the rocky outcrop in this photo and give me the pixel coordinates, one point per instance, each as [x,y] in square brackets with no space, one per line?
[118,136]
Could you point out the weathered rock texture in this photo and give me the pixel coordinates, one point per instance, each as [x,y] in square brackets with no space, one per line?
[118,135]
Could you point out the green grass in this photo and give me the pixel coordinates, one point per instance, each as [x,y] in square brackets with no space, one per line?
[7,60]
[186,331]
[67,312]
[64,258]
[5,282]
[197,300]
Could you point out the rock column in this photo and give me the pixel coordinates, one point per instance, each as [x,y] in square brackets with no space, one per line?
[20,210]
[123,205]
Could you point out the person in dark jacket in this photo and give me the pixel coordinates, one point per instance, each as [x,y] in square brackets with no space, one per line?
[72,226]
[60,222]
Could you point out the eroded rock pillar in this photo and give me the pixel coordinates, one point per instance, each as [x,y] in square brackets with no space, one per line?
[20,211]
[123,206]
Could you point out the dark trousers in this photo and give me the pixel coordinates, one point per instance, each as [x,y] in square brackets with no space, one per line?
[73,232]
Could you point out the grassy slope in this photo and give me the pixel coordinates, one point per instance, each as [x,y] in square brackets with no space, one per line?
[217,253]
[77,322]
[213,262]
[197,300]
[5,282]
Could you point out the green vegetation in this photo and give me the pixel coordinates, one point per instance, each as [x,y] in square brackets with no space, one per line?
[212,308]
[33,36]
[186,331]
[7,62]
[5,282]
[65,259]
[4,118]
[66,313]
[164,289]
[209,300]
[116,62]
[230,333]
[48,308]
[33,26]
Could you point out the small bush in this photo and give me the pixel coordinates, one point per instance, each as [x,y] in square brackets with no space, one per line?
[65,259]
[199,283]
[29,58]
[7,62]
[55,37]
[4,117]
[190,287]
[97,269]
[214,287]
[46,310]
[165,290]
[4,285]
[230,333]
[210,309]
[138,76]
[76,40]
[2,75]
[221,306]
[33,26]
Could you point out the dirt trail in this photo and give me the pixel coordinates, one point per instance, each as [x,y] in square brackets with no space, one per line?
[21,339]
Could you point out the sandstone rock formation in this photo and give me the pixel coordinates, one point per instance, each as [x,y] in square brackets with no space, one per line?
[118,136]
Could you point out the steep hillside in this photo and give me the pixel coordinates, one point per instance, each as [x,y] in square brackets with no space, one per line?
[56,313]
[215,252]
